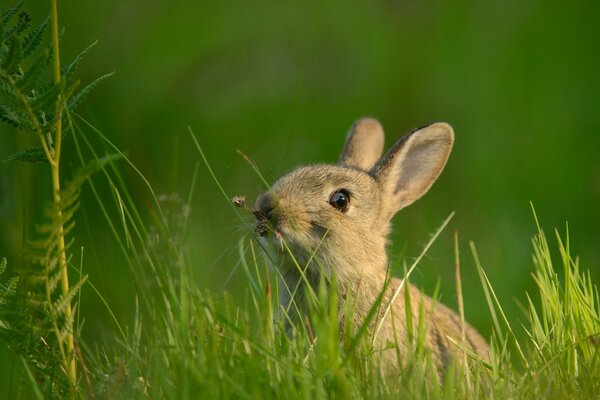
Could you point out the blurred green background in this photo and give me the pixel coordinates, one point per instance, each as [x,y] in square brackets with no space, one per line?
[283,81]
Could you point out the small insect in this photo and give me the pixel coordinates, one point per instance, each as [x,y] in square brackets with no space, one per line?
[239,201]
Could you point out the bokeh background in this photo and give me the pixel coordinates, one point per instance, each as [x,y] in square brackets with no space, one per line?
[283,81]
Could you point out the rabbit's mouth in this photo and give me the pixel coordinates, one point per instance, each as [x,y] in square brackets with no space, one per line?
[263,227]
[275,228]
[262,223]
[268,220]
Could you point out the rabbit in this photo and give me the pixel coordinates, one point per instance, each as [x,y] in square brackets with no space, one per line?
[334,220]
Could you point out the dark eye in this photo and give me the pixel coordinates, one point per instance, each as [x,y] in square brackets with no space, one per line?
[340,200]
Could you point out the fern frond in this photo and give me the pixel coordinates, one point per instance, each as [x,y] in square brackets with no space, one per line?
[10,116]
[59,306]
[46,96]
[34,322]
[53,281]
[67,326]
[76,99]
[33,155]
[12,58]
[28,94]
[23,23]
[7,290]
[33,74]
[69,70]
[8,14]
[33,40]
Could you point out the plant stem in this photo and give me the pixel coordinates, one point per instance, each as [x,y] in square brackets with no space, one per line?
[71,366]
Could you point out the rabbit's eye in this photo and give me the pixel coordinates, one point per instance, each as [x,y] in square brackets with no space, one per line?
[340,200]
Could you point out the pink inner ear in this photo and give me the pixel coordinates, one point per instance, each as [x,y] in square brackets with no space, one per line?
[420,168]
[413,164]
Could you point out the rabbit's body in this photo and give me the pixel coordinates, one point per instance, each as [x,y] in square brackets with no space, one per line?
[333,221]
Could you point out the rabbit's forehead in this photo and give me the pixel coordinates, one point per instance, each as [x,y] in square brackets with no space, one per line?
[316,178]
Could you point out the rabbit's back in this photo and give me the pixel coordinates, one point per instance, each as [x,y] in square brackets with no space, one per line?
[443,327]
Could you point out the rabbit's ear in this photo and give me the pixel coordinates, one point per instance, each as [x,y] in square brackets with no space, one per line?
[364,144]
[410,167]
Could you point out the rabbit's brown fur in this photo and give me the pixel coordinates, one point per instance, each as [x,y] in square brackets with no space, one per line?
[349,238]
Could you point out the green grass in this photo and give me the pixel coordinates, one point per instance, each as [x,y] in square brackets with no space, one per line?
[186,341]
[203,344]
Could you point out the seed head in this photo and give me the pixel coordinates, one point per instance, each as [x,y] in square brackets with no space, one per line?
[239,201]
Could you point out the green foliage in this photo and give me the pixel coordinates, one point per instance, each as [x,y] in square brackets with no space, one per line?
[186,343]
[564,326]
[30,100]
[230,354]
[560,353]
[189,343]
[33,317]
[32,155]
[202,345]
[196,344]
[8,291]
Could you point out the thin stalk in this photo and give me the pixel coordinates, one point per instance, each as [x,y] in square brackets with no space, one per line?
[55,170]
[461,308]
[410,270]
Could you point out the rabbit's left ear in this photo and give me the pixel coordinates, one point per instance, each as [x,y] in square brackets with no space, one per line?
[410,167]
[364,144]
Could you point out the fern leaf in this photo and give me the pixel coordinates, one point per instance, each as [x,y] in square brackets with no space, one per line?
[9,116]
[34,38]
[53,282]
[7,293]
[11,62]
[33,155]
[75,100]
[33,73]
[6,89]
[58,308]
[47,97]
[23,23]
[7,289]
[8,14]
[68,324]
[70,69]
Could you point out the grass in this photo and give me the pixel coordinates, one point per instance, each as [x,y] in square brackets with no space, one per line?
[189,343]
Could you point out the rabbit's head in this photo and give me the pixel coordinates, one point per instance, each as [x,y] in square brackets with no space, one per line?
[340,214]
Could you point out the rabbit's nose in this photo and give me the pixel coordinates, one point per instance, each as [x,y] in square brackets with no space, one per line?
[265,205]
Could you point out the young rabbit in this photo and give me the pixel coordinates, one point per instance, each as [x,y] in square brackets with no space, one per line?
[335,219]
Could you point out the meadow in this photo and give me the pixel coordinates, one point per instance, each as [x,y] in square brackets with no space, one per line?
[169,294]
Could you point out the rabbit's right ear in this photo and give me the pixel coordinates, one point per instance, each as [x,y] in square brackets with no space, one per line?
[410,167]
[364,144]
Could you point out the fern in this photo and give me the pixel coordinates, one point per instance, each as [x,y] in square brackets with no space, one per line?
[38,315]
[7,293]
[30,100]
[34,321]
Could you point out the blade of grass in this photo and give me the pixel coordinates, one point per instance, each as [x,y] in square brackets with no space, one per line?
[212,173]
[33,384]
[254,167]
[461,307]
[410,270]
